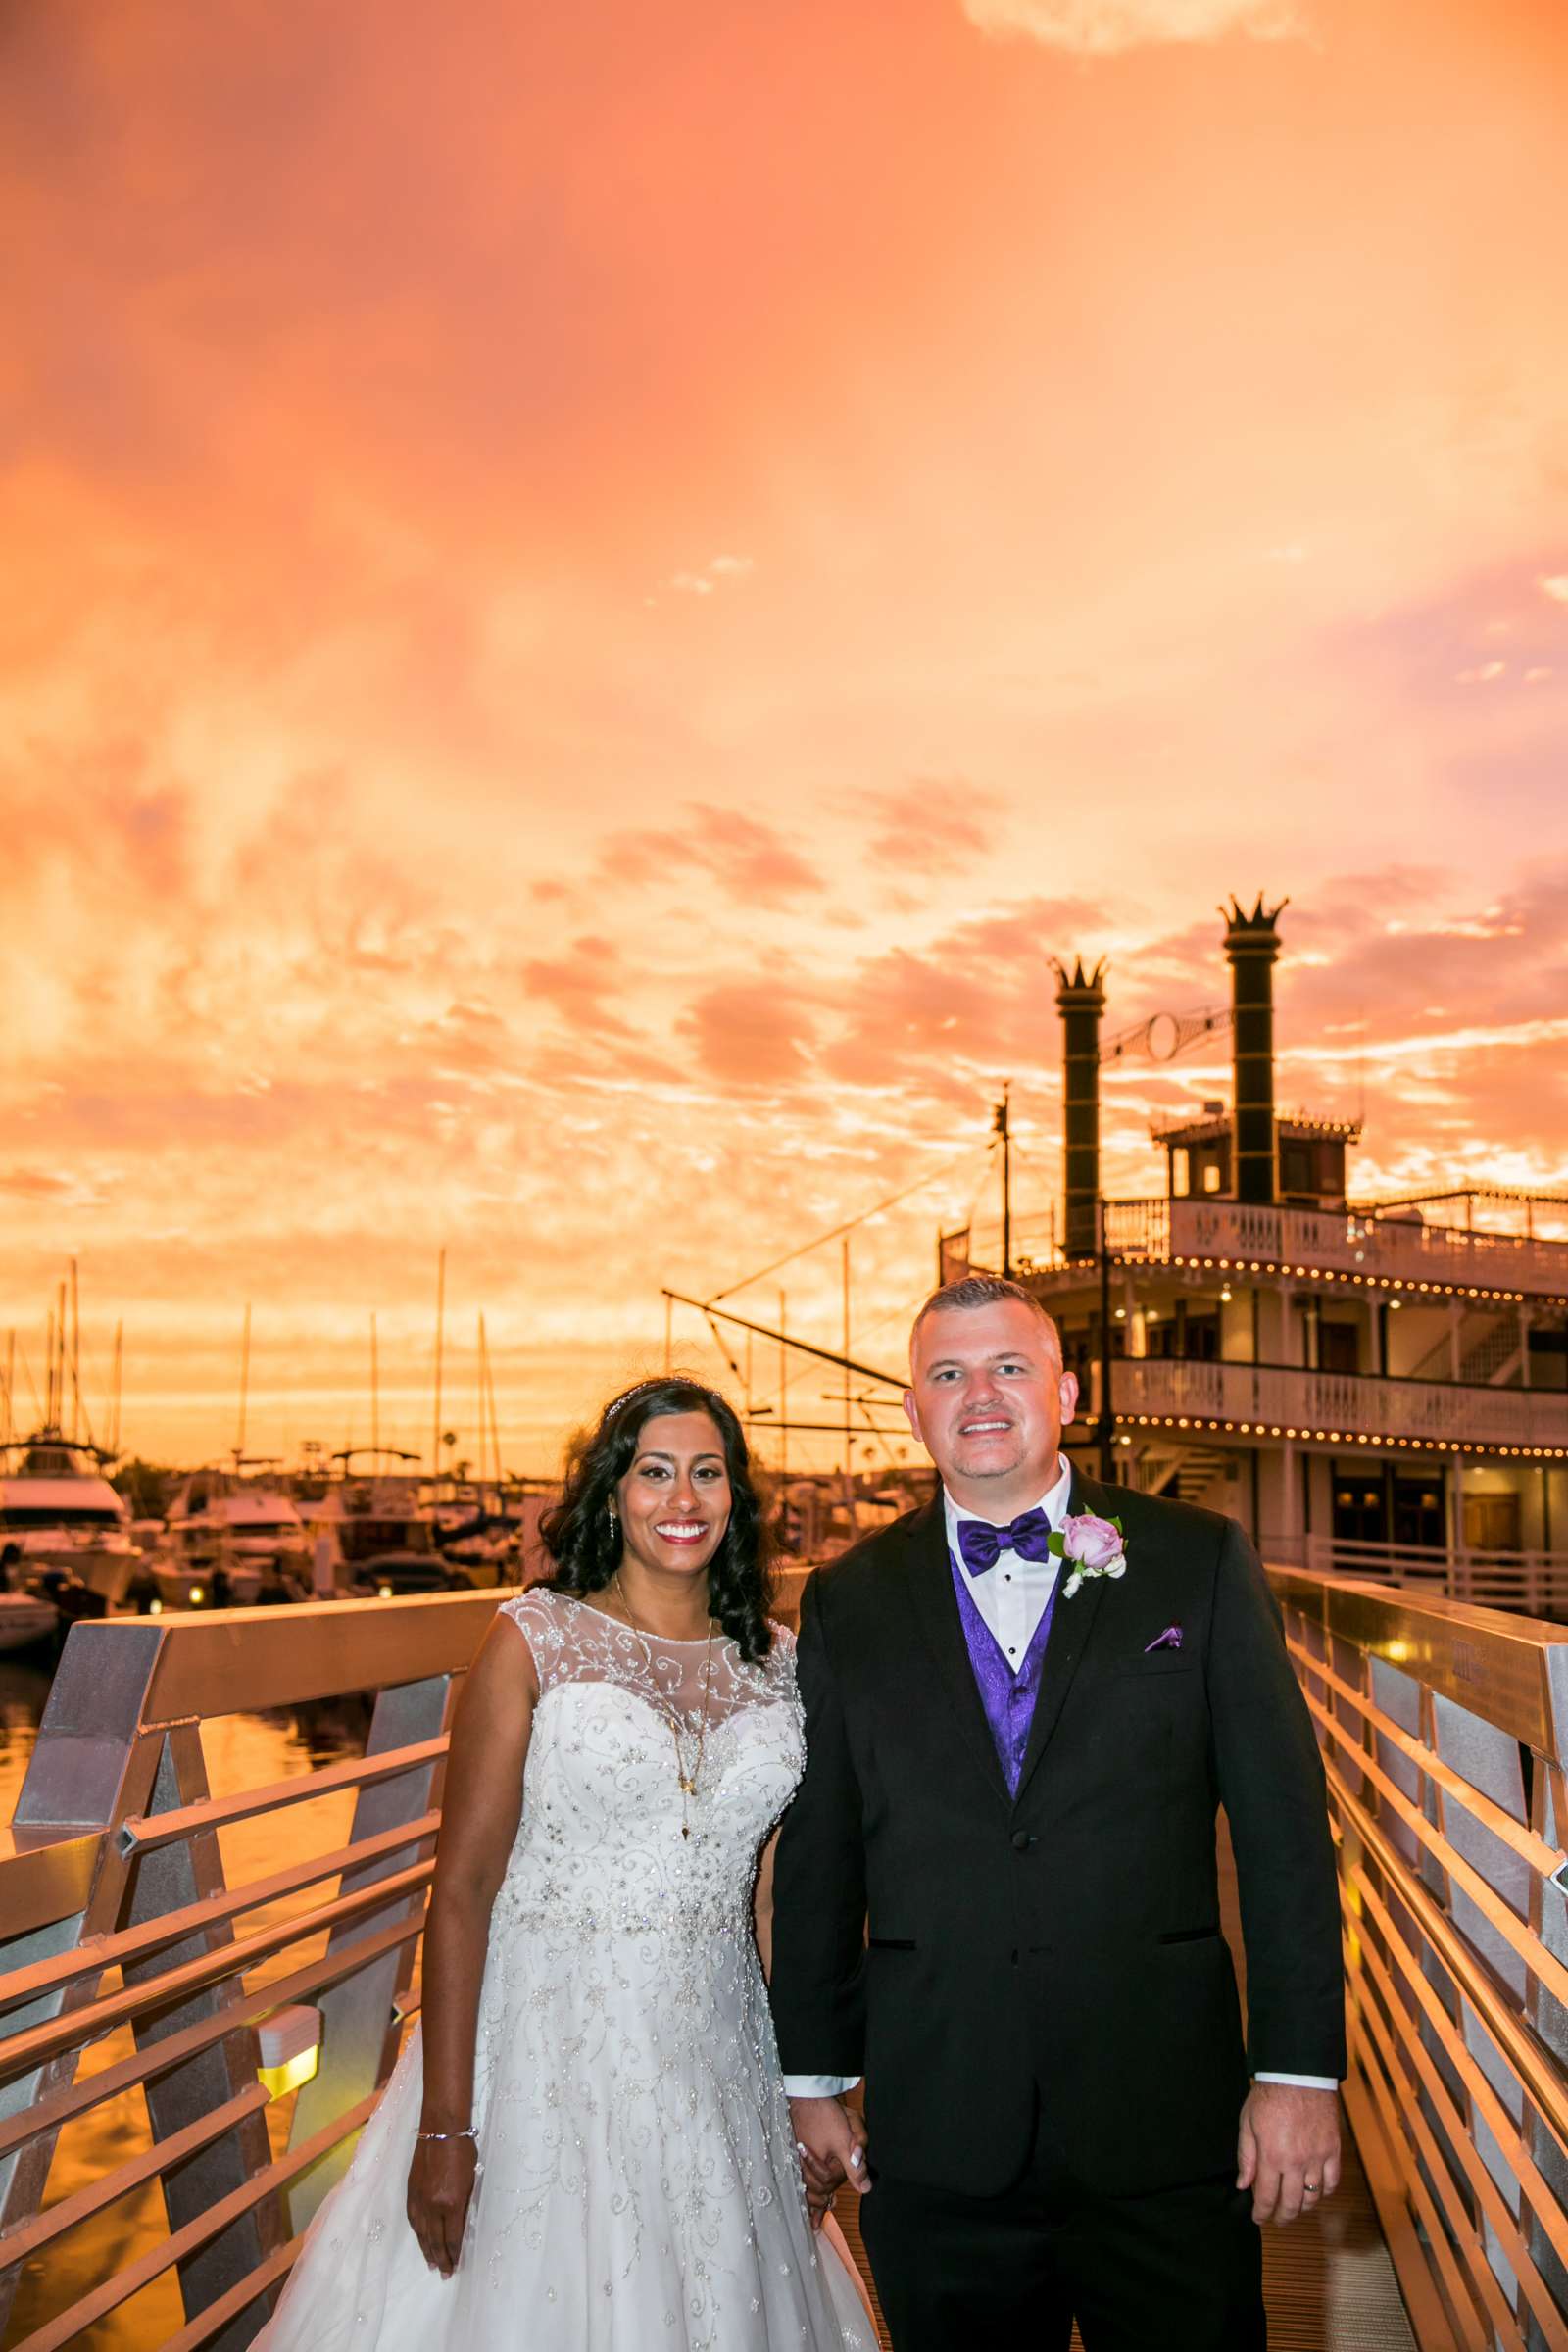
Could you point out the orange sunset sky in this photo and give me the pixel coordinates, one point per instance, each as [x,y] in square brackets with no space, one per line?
[590,592]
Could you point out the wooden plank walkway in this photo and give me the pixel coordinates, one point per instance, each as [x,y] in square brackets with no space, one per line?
[1327,2279]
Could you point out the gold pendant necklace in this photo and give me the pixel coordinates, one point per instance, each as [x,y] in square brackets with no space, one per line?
[687,1780]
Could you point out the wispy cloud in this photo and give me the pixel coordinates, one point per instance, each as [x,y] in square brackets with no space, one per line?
[751,860]
[934,826]
[1105,28]
[712,577]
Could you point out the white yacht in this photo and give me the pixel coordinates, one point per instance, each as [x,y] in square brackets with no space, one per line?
[365,1514]
[58,1510]
[219,1521]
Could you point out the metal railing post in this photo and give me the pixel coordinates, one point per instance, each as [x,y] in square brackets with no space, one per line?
[165,1879]
[92,1765]
[360,2024]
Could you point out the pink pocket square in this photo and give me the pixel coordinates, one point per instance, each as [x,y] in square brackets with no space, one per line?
[1170,1638]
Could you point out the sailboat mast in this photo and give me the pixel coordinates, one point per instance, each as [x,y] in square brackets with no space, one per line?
[846,1361]
[115,1387]
[10,1385]
[244,1385]
[783,1387]
[489,1428]
[375,1393]
[440,1334]
[75,1358]
[495,1420]
[481,1431]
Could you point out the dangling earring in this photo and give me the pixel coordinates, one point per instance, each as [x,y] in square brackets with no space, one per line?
[615,1524]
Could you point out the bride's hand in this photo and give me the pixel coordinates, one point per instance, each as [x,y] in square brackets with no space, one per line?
[831,2150]
[441,2182]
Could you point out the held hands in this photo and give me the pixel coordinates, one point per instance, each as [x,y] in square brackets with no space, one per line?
[1288,2149]
[831,2147]
[441,2182]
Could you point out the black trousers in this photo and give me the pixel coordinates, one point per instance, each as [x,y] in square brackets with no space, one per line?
[1178,2271]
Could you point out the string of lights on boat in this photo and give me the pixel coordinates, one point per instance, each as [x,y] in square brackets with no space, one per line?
[1338,1437]
[1372,1282]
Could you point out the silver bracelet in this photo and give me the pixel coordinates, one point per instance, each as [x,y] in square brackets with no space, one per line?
[469,2131]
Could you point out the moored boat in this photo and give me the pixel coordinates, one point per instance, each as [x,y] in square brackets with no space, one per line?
[27,1621]
[229,1540]
[58,1510]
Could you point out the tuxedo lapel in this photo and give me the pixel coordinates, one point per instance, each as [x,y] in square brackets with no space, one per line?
[1071,1625]
[935,1610]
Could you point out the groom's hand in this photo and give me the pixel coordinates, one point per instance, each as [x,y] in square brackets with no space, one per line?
[831,2150]
[1288,2149]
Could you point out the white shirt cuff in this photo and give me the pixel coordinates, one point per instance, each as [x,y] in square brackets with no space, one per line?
[819,2086]
[1302,2081]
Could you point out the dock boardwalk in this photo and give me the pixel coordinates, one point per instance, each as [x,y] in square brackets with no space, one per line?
[1328,2281]
[243,2018]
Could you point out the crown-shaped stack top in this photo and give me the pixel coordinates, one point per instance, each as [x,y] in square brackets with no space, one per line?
[1079,981]
[1259,923]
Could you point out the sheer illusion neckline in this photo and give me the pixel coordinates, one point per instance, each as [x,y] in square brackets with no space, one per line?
[670,1641]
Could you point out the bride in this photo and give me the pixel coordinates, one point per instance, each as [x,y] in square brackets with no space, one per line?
[586,2146]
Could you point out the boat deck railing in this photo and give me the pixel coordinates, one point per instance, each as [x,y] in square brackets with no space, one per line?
[195,2041]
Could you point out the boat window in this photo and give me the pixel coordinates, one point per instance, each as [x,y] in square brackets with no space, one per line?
[22,1514]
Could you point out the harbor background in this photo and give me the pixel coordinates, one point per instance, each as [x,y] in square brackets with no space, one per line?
[565,714]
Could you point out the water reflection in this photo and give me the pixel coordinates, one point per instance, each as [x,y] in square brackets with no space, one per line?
[241,1751]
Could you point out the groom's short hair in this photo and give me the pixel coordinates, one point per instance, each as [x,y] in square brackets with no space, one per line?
[985,1290]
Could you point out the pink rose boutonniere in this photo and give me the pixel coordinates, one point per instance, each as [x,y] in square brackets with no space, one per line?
[1093,1547]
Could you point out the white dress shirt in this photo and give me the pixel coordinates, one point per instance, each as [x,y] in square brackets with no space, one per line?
[1011,1598]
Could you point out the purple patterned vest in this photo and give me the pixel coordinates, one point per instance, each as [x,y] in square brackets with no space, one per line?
[1008,1699]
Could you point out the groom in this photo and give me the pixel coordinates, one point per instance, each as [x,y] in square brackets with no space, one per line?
[995,1894]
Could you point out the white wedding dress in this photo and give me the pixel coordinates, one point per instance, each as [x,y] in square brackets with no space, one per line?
[639,2186]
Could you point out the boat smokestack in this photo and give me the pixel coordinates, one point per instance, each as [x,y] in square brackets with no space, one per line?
[1080,1000]
[1252,943]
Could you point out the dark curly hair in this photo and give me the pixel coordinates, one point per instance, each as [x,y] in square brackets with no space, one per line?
[576,1531]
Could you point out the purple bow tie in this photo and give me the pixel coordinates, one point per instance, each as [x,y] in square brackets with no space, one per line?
[1029,1535]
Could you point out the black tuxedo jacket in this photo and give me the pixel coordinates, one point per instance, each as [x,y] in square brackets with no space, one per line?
[973,1954]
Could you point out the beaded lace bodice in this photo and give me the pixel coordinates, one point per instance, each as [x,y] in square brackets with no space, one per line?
[603,1811]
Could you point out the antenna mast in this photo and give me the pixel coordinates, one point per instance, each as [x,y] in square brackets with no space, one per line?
[1001,1126]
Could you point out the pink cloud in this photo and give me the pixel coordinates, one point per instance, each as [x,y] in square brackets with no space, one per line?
[751,860]
[581,985]
[749,1034]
